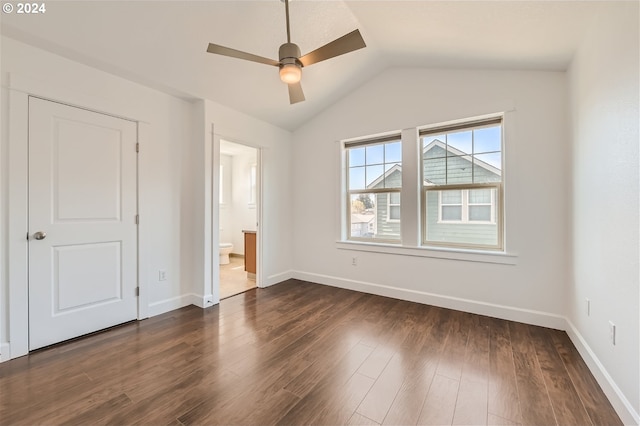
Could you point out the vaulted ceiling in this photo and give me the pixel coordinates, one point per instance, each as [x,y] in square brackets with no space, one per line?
[162,44]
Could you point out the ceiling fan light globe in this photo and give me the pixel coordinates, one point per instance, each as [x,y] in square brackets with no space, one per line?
[290,73]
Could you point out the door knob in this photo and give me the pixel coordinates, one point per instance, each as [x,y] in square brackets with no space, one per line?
[40,235]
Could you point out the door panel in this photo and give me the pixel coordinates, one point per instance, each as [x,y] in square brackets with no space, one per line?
[97,195]
[86,275]
[82,194]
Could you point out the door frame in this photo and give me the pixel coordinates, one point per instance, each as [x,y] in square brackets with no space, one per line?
[20,88]
[215,210]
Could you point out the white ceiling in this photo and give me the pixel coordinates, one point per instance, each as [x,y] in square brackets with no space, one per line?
[163,44]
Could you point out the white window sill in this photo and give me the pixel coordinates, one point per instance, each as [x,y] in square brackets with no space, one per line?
[483,256]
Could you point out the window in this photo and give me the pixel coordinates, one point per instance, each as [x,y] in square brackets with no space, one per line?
[374,182]
[450,206]
[462,185]
[467,206]
[393,207]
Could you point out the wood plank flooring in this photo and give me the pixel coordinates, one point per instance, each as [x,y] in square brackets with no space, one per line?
[301,353]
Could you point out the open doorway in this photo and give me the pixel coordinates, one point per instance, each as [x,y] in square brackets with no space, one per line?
[238,217]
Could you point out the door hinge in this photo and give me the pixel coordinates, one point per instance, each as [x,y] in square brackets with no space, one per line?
[137,219]
[137,291]
[137,146]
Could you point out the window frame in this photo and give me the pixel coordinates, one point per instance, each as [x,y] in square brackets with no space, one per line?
[394,137]
[497,213]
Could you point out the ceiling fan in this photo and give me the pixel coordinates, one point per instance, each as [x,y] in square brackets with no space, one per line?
[291,62]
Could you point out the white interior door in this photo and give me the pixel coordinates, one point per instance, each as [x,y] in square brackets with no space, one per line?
[82,222]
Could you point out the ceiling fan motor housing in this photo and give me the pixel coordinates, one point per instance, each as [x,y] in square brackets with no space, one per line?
[289,54]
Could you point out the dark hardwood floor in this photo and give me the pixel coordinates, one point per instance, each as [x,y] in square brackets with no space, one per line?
[300,353]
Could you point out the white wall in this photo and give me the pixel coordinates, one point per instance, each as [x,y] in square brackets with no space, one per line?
[235,212]
[226,208]
[536,201]
[175,167]
[603,83]
[166,134]
[244,215]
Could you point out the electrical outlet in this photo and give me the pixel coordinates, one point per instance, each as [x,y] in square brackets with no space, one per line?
[612,332]
[587,305]
[162,275]
[354,261]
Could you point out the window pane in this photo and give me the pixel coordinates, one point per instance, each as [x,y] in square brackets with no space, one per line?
[434,146]
[451,212]
[460,141]
[393,152]
[375,175]
[393,176]
[363,203]
[487,168]
[375,154]
[488,139]
[451,197]
[434,171]
[459,170]
[356,157]
[394,198]
[356,178]
[362,215]
[370,217]
[480,196]
[480,213]
[491,160]
[394,213]
[464,225]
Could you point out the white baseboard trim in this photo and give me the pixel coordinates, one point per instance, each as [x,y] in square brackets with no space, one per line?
[620,403]
[543,319]
[174,303]
[5,351]
[202,301]
[278,278]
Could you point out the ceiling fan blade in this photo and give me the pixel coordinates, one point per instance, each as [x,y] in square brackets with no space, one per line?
[295,93]
[345,44]
[227,51]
